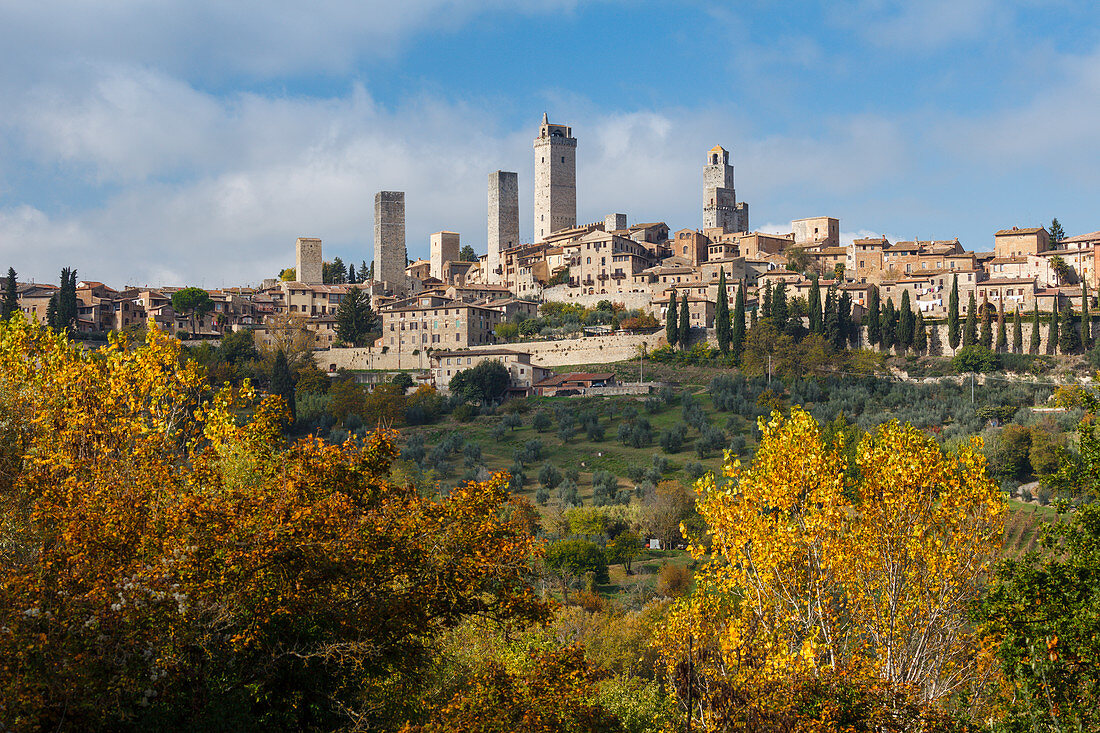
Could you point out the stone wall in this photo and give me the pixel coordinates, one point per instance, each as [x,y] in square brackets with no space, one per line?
[566,294]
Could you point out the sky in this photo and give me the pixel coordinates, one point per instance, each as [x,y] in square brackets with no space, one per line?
[190,142]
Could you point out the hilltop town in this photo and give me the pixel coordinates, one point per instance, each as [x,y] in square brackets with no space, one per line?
[459,300]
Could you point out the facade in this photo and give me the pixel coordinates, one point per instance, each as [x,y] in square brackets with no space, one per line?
[308,263]
[503,220]
[444,247]
[435,322]
[817,231]
[555,179]
[390,257]
[720,207]
[524,374]
[1016,242]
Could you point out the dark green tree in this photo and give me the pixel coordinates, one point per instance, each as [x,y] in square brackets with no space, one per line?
[672,326]
[873,317]
[10,304]
[1033,342]
[970,330]
[1052,329]
[354,318]
[889,319]
[467,254]
[1086,318]
[780,313]
[366,273]
[845,324]
[953,314]
[766,302]
[65,307]
[986,338]
[352,277]
[485,382]
[737,328]
[920,335]
[1017,332]
[831,323]
[722,314]
[1002,335]
[1056,233]
[193,303]
[51,312]
[683,333]
[282,383]
[814,299]
[906,323]
[1069,342]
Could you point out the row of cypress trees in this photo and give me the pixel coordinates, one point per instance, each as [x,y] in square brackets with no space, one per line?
[901,328]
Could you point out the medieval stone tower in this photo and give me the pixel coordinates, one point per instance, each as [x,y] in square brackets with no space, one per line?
[720,207]
[555,179]
[390,257]
[308,265]
[503,220]
[443,247]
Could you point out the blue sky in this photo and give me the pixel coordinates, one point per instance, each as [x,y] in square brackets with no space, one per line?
[191,142]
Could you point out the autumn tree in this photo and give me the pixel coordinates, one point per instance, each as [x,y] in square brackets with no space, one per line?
[820,575]
[169,562]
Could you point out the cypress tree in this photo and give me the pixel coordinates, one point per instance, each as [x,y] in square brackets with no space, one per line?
[889,326]
[282,383]
[906,322]
[832,329]
[874,325]
[351,274]
[1068,340]
[920,336]
[1002,337]
[684,332]
[845,327]
[737,328]
[1033,342]
[1017,333]
[10,303]
[987,324]
[766,303]
[754,309]
[780,314]
[970,331]
[1086,318]
[722,315]
[953,314]
[51,312]
[1052,330]
[672,329]
[814,300]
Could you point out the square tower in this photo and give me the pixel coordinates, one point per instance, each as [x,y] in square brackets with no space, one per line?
[720,207]
[444,248]
[390,257]
[503,220]
[555,179]
[614,222]
[308,265]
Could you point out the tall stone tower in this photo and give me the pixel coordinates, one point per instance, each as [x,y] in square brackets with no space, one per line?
[720,207]
[390,257]
[503,220]
[444,247]
[308,265]
[555,179]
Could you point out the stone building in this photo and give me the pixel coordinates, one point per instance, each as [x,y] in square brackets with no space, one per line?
[720,207]
[435,322]
[816,231]
[390,257]
[1016,242]
[444,247]
[503,220]
[523,374]
[555,179]
[308,264]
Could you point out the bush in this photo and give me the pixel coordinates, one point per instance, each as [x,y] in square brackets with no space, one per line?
[673,581]
[975,358]
[464,412]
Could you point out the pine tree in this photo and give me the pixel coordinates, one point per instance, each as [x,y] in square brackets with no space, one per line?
[889,326]
[1056,233]
[780,314]
[766,304]
[351,275]
[10,303]
[354,317]
[970,330]
[1002,337]
[1017,333]
[906,322]
[832,326]
[737,328]
[874,323]
[1033,342]
[1052,330]
[282,383]
[814,301]
[987,324]
[672,328]
[920,337]
[722,315]
[953,314]
[366,274]
[1086,318]
[1068,340]
[339,271]
[684,332]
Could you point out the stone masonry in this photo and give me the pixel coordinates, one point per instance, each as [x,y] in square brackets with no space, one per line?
[503,220]
[308,265]
[444,248]
[555,179]
[390,257]
[720,207]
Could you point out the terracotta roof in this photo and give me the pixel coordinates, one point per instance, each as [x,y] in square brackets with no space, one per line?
[1017,230]
[559,379]
[1093,236]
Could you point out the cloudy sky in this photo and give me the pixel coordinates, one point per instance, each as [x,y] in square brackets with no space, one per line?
[190,142]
